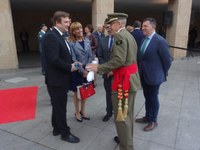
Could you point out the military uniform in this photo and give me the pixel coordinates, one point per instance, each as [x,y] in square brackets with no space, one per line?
[123,54]
[41,35]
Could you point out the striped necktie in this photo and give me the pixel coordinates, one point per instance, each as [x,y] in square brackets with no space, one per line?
[143,47]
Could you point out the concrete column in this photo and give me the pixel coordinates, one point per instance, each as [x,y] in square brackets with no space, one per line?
[100,9]
[177,33]
[8,54]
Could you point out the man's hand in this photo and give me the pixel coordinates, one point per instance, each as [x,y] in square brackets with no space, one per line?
[76,66]
[92,67]
[85,73]
[73,68]
[109,74]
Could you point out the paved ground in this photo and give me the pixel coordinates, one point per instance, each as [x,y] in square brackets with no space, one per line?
[179,116]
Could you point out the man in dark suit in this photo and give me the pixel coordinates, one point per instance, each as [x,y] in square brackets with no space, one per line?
[99,34]
[137,32]
[104,50]
[24,37]
[58,67]
[154,61]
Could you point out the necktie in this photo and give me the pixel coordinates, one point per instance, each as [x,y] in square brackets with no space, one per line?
[110,42]
[143,47]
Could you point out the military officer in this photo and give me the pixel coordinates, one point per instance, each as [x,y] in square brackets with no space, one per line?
[126,81]
[41,34]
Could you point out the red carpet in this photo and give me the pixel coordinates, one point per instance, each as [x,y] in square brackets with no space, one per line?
[18,104]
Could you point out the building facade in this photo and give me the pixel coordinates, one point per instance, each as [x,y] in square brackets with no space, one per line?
[16,16]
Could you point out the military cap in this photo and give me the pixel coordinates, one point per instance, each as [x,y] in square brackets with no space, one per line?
[106,20]
[115,16]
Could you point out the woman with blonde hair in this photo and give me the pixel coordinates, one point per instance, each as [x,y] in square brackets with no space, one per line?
[81,52]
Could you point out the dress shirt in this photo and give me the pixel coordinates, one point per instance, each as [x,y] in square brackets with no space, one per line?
[110,42]
[67,44]
[149,40]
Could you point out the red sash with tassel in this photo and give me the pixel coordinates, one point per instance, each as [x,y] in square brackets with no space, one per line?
[121,83]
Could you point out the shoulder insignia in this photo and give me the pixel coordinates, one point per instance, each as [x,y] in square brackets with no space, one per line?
[119,42]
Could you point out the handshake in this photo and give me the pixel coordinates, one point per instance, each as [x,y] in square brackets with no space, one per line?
[88,72]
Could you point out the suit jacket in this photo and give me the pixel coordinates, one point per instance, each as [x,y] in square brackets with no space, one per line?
[83,55]
[58,60]
[103,50]
[97,36]
[156,62]
[138,35]
[123,53]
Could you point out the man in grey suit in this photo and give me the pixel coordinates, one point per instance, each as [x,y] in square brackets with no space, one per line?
[103,51]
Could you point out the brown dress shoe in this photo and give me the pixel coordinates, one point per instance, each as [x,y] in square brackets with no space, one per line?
[150,126]
[142,120]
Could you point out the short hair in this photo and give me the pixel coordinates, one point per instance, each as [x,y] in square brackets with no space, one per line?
[74,26]
[151,20]
[99,27]
[58,15]
[89,26]
[129,28]
[137,24]
[42,25]
[123,21]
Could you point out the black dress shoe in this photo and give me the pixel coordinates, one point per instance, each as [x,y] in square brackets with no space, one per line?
[55,132]
[70,138]
[106,117]
[84,117]
[116,139]
[78,119]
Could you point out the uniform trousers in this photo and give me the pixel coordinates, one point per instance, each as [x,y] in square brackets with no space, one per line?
[59,108]
[125,128]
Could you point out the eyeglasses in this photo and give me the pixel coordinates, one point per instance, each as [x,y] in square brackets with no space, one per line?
[107,27]
[113,23]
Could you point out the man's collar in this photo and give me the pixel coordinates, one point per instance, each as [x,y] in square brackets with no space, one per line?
[151,35]
[58,31]
[43,31]
[99,33]
[120,29]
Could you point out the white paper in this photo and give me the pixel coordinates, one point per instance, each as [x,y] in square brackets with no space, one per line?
[95,61]
[90,76]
